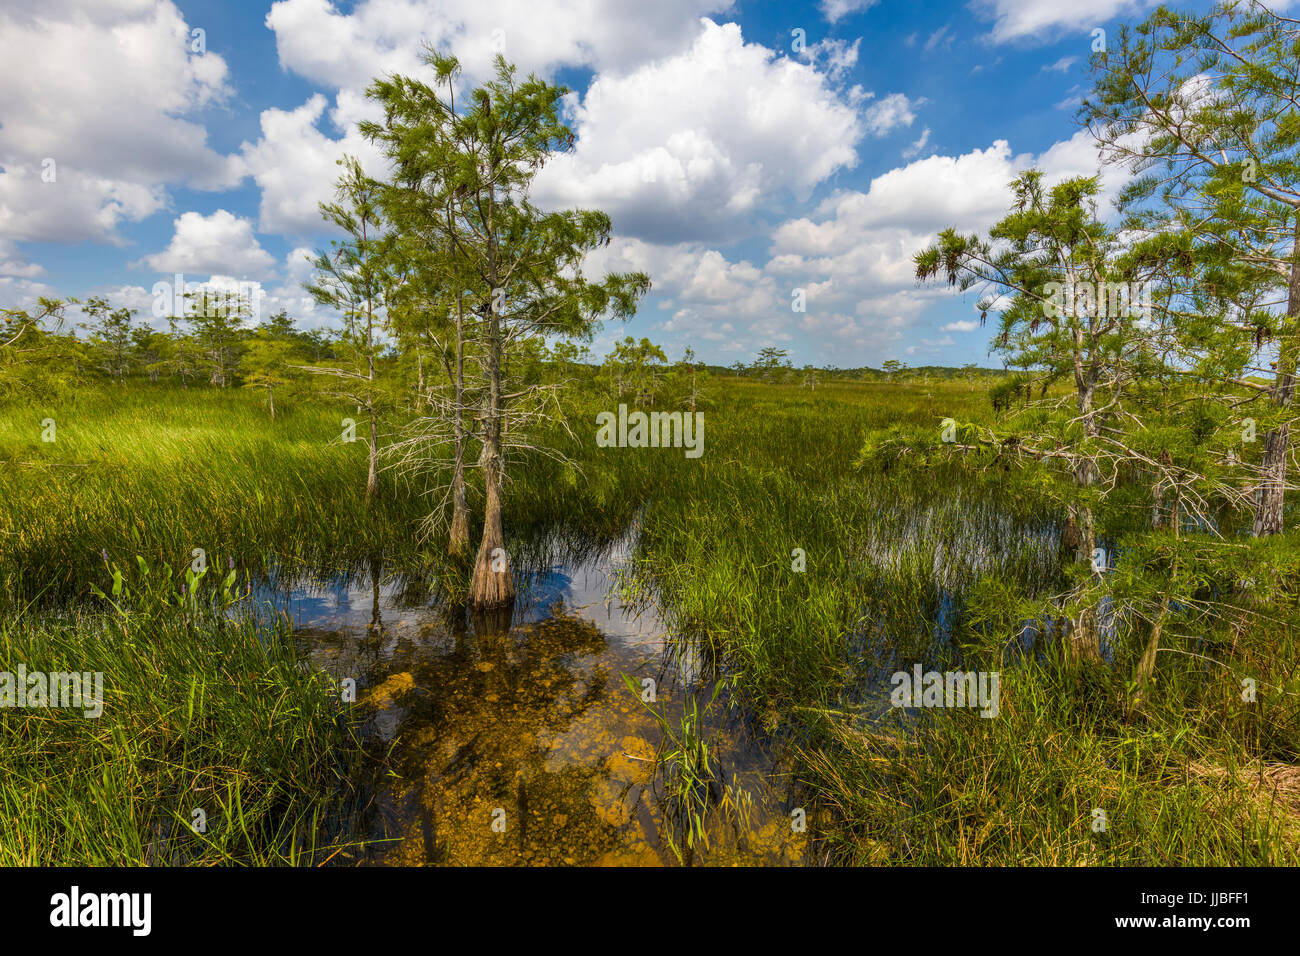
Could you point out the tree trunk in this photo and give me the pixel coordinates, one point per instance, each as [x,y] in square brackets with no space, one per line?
[458,537]
[493,584]
[1147,665]
[1270,495]
[372,479]
[1085,639]
[270,394]
[1272,484]
[419,387]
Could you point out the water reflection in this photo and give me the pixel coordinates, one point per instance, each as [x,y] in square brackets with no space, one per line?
[516,742]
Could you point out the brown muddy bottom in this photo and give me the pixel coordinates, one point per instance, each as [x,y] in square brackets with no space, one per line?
[522,744]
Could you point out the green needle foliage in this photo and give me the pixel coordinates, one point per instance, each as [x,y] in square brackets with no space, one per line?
[1202,106]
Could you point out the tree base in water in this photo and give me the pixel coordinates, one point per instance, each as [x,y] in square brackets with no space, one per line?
[490,589]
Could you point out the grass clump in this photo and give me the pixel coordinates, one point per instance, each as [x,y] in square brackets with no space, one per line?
[200,712]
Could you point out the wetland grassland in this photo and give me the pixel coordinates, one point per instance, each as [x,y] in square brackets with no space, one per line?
[792,572]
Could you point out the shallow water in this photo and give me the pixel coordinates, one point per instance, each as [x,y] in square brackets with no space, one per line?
[525,746]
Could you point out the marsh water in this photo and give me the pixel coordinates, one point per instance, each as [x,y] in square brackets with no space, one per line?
[518,742]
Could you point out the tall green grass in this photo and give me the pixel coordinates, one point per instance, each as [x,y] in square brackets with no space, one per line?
[214,745]
[161,471]
[894,558]
[893,561]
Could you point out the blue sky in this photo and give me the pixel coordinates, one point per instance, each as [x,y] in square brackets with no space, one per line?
[744,150]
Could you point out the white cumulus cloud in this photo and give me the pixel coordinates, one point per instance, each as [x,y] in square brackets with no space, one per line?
[220,243]
[695,142]
[296,164]
[107,93]
[317,40]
